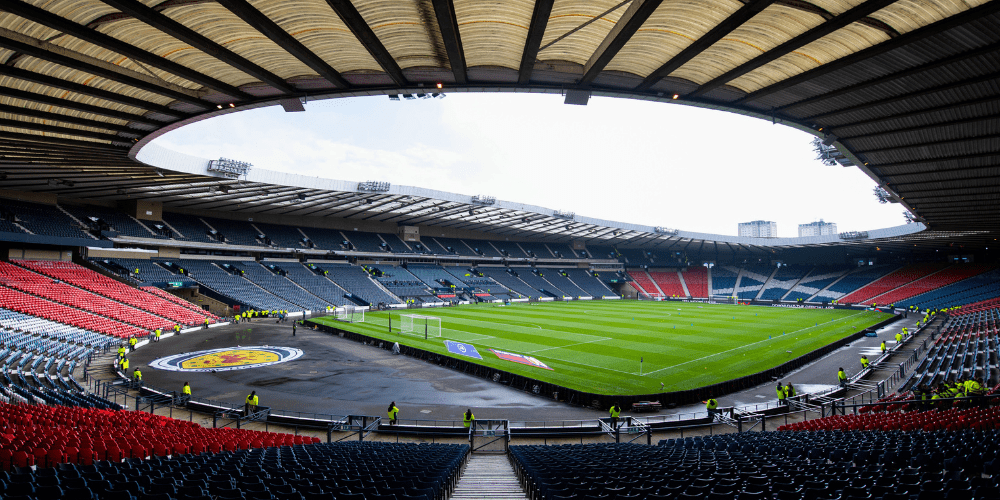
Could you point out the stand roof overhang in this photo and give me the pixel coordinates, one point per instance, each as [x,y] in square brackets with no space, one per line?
[907,90]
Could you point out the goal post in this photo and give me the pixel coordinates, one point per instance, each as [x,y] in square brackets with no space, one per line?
[350,314]
[420,325]
[656,296]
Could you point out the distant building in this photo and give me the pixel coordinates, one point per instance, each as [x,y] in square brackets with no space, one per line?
[818,228]
[759,229]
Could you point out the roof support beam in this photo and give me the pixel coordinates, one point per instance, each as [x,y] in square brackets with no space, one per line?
[941,181]
[45,115]
[357,24]
[270,29]
[536,30]
[68,104]
[964,83]
[928,144]
[735,20]
[630,22]
[874,51]
[945,61]
[444,10]
[943,159]
[857,13]
[59,130]
[187,35]
[41,16]
[920,127]
[41,52]
[87,90]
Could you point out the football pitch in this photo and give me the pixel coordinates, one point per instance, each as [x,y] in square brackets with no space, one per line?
[596,346]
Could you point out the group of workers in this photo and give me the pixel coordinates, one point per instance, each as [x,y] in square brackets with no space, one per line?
[784,392]
[949,389]
[393,413]
[246,316]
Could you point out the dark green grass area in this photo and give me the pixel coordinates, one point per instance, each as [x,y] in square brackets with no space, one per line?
[596,346]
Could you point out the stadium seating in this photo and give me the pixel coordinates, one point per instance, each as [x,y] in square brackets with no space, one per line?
[281,286]
[590,284]
[509,249]
[642,282]
[45,220]
[358,283]
[42,286]
[783,280]
[855,280]
[934,281]
[326,239]
[514,283]
[237,232]
[967,346]
[179,301]
[751,280]
[483,248]
[537,250]
[98,217]
[806,465]
[282,236]
[366,242]
[819,278]
[669,282]
[435,276]
[561,282]
[236,288]
[149,271]
[230,464]
[107,287]
[696,279]
[402,283]
[17,322]
[458,247]
[29,304]
[188,228]
[724,280]
[975,289]
[539,283]
[317,285]
[891,281]
[45,436]
[397,245]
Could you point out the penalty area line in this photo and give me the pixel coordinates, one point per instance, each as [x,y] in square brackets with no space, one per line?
[570,345]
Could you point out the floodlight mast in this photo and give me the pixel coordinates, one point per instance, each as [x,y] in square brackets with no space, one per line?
[230,168]
[374,186]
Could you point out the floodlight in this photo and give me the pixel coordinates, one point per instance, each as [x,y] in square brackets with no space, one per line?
[664,230]
[373,186]
[229,168]
[483,200]
[564,215]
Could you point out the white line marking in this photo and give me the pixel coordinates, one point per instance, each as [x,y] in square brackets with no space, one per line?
[748,345]
[570,345]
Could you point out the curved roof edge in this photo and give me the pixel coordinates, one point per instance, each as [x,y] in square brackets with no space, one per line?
[163,158]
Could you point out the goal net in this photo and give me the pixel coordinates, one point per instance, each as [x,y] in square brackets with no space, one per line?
[420,325]
[350,314]
[656,296]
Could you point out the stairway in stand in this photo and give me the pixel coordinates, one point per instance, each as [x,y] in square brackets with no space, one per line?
[486,477]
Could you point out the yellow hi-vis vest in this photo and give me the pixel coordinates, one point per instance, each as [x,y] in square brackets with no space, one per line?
[711,404]
[468,418]
[187,390]
[615,411]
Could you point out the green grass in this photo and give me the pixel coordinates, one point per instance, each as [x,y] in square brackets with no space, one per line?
[595,346]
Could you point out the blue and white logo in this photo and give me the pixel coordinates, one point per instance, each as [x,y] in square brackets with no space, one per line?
[462,349]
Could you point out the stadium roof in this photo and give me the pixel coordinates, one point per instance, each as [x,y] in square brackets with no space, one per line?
[907,90]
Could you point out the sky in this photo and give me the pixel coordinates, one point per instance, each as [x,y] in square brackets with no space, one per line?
[623,160]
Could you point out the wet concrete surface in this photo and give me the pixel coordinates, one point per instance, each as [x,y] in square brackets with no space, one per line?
[343,377]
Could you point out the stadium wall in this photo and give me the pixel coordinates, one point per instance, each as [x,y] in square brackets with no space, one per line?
[581,398]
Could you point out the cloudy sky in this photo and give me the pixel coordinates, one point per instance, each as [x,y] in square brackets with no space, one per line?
[630,161]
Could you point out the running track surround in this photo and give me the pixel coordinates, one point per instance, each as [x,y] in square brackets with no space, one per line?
[227,358]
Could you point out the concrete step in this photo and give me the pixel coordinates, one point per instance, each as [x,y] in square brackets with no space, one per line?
[488,477]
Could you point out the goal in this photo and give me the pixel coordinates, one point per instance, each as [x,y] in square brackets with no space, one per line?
[420,325]
[656,296]
[350,314]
